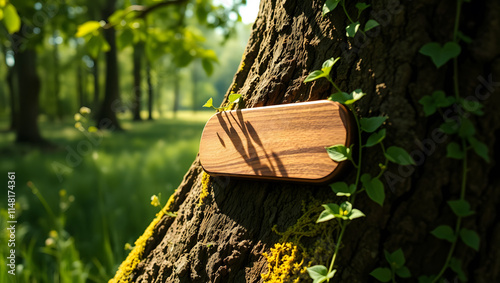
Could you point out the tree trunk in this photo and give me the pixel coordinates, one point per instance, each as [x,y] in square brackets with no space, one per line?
[136,105]
[150,90]
[107,113]
[177,92]
[29,91]
[57,82]
[222,237]
[11,79]
[95,74]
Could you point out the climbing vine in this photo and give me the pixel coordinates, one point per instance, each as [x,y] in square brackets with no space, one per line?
[345,211]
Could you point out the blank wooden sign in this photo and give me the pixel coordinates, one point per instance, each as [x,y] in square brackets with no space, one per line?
[284,142]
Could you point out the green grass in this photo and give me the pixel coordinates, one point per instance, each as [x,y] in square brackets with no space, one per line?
[111,178]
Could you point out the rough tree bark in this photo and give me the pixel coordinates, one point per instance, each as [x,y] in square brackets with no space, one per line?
[223,239]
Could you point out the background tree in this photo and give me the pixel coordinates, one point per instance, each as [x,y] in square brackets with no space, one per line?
[222,237]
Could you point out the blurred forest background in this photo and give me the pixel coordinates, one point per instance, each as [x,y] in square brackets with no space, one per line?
[100,110]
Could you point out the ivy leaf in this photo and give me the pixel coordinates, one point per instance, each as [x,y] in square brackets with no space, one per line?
[341,189]
[444,232]
[361,7]
[456,266]
[370,24]
[375,138]
[464,37]
[371,124]
[449,127]
[338,152]
[470,238]
[315,75]
[329,6]
[440,54]
[209,103]
[403,272]
[437,100]
[330,212]
[352,29]
[356,95]
[87,28]
[11,19]
[319,273]
[340,97]
[382,274]
[328,64]
[460,207]
[399,155]
[374,188]
[234,98]
[472,106]
[466,128]
[397,259]
[453,150]
[356,213]
[479,148]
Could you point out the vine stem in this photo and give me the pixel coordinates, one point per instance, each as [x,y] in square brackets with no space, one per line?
[345,11]
[464,146]
[334,85]
[360,151]
[337,246]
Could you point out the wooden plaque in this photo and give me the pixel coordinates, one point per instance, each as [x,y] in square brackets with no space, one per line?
[283,142]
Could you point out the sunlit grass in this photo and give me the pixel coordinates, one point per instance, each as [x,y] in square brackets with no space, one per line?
[112,177]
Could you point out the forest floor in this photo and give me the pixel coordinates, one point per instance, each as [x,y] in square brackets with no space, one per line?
[87,197]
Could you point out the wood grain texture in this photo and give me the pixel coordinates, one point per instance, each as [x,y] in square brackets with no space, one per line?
[284,142]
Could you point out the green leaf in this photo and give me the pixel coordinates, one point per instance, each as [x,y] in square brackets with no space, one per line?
[470,238]
[426,279]
[338,152]
[472,106]
[125,38]
[371,124]
[466,128]
[449,127]
[11,19]
[330,5]
[319,273]
[209,103]
[356,213]
[479,148]
[341,189]
[87,28]
[456,266]
[356,95]
[96,45]
[1,12]
[460,207]
[453,150]
[315,75]
[352,29]
[440,54]
[374,188]
[340,97]
[361,7]
[403,272]
[382,274]
[397,259]
[208,66]
[328,64]
[399,155]
[330,212]
[437,100]
[375,138]
[371,24]
[444,232]
[234,98]
[464,37]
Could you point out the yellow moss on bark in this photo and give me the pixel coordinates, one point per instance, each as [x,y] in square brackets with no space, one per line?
[135,256]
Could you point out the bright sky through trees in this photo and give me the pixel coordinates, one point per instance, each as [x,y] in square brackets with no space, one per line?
[248,12]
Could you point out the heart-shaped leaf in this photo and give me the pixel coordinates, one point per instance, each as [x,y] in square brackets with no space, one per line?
[441,54]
